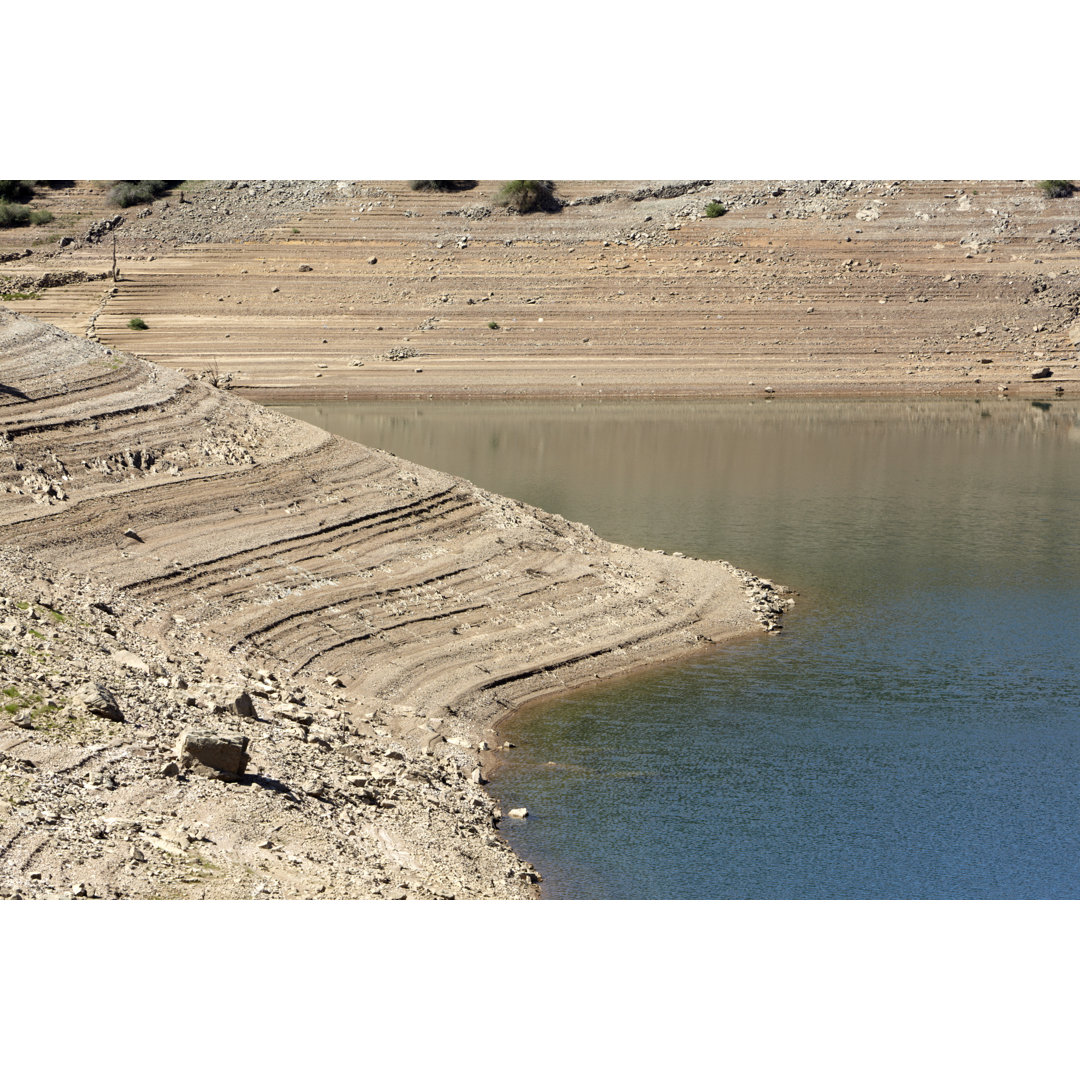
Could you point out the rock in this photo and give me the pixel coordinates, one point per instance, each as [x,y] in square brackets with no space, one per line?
[520,812]
[372,261]
[1042,373]
[132,534]
[304,268]
[122,658]
[207,753]
[476,776]
[240,704]
[97,699]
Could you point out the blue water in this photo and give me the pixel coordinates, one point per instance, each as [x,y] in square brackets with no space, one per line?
[914,733]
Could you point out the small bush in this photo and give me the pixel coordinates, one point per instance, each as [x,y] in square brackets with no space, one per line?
[493,325]
[137,324]
[1057,189]
[134,192]
[13,216]
[715,209]
[442,185]
[525,196]
[16,190]
[40,217]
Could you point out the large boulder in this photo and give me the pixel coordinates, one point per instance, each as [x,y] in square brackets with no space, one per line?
[208,753]
[98,700]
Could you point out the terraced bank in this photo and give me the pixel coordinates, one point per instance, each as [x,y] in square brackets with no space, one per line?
[423,606]
[369,289]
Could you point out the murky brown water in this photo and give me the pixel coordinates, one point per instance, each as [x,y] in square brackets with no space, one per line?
[915,732]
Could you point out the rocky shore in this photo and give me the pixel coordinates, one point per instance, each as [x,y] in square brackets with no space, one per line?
[243,658]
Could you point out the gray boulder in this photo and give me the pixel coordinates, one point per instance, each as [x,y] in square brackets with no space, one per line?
[97,699]
[207,753]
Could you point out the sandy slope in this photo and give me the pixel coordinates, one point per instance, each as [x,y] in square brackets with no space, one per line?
[820,287]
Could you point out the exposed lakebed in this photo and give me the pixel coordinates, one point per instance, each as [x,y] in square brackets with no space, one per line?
[915,732]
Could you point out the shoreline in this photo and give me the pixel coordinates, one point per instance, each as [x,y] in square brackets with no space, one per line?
[361,620]
[263,395]
[366,291]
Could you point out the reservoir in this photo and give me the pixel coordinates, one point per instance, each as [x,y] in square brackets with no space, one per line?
[915,730]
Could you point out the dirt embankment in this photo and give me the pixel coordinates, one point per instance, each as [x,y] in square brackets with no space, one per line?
[363,622]
[367,288]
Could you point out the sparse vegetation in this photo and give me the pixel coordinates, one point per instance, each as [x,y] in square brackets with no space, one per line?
[137,324]
[134,192]
[493,325]
[13,216]
[715,209]
[442,185]
[40,217]
[1057,189]
[20,296]
[525,196]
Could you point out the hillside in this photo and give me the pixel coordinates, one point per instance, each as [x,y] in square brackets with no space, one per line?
[371,289]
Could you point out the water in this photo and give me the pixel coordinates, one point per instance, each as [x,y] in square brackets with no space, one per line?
[914,733]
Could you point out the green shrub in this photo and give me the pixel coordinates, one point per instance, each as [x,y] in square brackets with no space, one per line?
[715,209]
[133,192]
[40,217]
[137,324]
[493,325]
[13,216]
[1056,189]
[525,196]
[16,190]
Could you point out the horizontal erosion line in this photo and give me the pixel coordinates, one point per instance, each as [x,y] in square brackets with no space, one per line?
[629,642]
[192,573]
[490,601]
[358,598]
[345,643]
[73,421]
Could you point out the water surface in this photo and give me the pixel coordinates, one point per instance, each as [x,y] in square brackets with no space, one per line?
[914,733]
